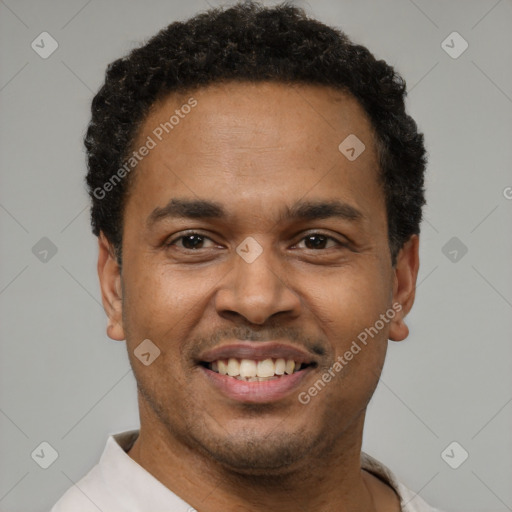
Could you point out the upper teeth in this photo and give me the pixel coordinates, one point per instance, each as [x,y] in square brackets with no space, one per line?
[247,368]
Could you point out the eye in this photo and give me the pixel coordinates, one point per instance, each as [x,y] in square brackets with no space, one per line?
[190,241]
[317,241]
[193,241]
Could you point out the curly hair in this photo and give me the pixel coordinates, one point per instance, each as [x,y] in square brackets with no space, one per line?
[251,42]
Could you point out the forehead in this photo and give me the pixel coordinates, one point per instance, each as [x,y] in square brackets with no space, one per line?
[271,113]
[255,144]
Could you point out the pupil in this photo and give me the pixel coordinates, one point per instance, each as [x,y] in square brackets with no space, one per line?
[320,240]
[189,244]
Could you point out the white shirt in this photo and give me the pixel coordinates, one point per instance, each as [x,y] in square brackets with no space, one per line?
[118,484]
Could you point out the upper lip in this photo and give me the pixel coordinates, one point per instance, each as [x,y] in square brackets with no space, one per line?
[258,351]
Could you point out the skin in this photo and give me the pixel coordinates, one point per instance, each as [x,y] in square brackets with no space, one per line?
[255,148]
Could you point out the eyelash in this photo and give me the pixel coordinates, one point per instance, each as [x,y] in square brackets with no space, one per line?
[192,233]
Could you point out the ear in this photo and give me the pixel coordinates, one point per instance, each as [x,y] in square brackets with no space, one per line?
[404,287]
[109,274]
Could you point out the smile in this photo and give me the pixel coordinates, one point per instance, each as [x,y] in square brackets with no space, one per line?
[251,370]
[256,389]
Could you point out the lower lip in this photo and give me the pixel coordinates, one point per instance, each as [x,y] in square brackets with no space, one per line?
[256,392]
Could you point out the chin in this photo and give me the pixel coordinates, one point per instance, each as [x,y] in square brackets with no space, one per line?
[251,452]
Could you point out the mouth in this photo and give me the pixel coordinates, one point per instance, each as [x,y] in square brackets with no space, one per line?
[260,372]
[255,389]
[252,370]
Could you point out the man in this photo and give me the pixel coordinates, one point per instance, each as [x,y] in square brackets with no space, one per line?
[256,191]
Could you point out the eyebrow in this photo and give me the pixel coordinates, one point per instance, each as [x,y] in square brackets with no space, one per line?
[301,210]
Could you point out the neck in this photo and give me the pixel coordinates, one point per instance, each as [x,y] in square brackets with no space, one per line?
[329,479]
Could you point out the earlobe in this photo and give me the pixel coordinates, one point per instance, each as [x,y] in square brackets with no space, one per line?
[404,287]
[398,330]
[111,291]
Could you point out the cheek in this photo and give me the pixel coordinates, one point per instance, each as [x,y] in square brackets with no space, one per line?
[349,311]
[348,307]
[348,301]
[162,308]
[154,294]
[164,305]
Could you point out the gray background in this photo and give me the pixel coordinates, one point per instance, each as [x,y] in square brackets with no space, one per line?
[65,382]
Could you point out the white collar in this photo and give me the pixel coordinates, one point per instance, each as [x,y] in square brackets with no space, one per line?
[137,489]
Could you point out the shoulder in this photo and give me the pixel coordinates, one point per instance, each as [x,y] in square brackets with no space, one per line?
[409,500]
[86,495]
[105,485]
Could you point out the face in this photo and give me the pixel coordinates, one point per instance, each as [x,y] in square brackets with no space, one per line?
[248,236]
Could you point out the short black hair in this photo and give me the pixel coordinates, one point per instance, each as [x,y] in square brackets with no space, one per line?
[251,42]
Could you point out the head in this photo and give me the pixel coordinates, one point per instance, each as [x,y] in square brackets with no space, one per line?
[225,135]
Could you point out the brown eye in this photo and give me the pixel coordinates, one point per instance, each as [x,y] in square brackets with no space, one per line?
[190,241]
[316,241]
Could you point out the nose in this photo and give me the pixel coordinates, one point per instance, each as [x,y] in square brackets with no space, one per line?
[257,291]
